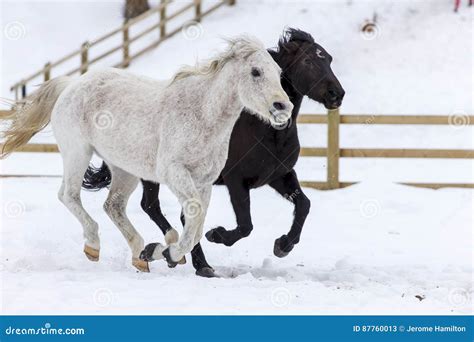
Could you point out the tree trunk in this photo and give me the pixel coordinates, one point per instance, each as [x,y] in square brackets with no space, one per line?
[134,8]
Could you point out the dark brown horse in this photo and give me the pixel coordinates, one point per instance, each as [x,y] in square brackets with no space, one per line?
[259,154]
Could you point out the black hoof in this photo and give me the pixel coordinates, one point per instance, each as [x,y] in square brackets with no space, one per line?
[216,235]
[147,253]
[206,272]
[282,246]
[166,254]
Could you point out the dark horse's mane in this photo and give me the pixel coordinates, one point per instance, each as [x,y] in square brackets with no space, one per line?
[291,35]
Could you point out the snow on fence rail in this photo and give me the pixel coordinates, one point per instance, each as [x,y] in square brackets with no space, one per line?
[333,152]
[82,54]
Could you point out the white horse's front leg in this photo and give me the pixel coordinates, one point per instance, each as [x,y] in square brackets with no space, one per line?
[194,210]
[194,202]
[206,197]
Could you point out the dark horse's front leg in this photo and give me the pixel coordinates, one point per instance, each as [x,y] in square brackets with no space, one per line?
[240,198]
[151,205]
[289,187]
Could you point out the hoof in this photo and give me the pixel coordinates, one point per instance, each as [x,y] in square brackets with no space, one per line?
[167,256]
[141,265]
[91,253]
[282,247]
[216,235]
[147,253]
[206,272]
[149,250]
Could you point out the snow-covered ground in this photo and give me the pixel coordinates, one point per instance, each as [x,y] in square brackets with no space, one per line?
[367,249]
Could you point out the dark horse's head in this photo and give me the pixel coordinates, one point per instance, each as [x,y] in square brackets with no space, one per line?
[307,66]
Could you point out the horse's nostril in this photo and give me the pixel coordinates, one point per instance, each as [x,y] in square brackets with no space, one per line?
[279,105]
[332,95]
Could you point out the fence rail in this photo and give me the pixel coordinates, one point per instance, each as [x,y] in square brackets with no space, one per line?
[333,152]
[82,54]
[389,153]
[357,119]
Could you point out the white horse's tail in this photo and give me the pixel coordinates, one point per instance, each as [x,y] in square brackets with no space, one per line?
[31,117]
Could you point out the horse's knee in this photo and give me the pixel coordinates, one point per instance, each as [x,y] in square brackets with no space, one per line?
[245,230]
[108,207]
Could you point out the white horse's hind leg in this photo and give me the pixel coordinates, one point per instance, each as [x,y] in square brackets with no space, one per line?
[123,184]
[75,163]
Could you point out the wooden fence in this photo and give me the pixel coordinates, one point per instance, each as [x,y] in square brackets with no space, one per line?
[82,54]
[333,152]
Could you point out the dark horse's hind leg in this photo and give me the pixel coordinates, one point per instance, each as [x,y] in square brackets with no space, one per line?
[151,205]
[289,187]
[240,198]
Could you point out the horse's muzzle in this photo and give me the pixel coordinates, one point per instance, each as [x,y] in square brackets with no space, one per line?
[281,112]
[333,99]
[279,116]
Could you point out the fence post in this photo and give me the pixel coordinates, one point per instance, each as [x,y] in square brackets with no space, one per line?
[333,149]
[23,90]
[84,57]
[197,4]
[126,48]
[162,19]
[47,71]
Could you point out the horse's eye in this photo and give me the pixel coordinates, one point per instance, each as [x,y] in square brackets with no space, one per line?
[307,61]
[256,72]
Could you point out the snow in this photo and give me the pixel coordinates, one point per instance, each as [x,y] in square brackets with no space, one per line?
[367,249]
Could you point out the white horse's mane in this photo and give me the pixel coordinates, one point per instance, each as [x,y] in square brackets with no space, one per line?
[242,46]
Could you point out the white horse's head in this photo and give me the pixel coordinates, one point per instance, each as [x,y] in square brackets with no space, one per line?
[256,74]
[259,83]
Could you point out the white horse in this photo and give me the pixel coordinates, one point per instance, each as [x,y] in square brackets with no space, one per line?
[174,132]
